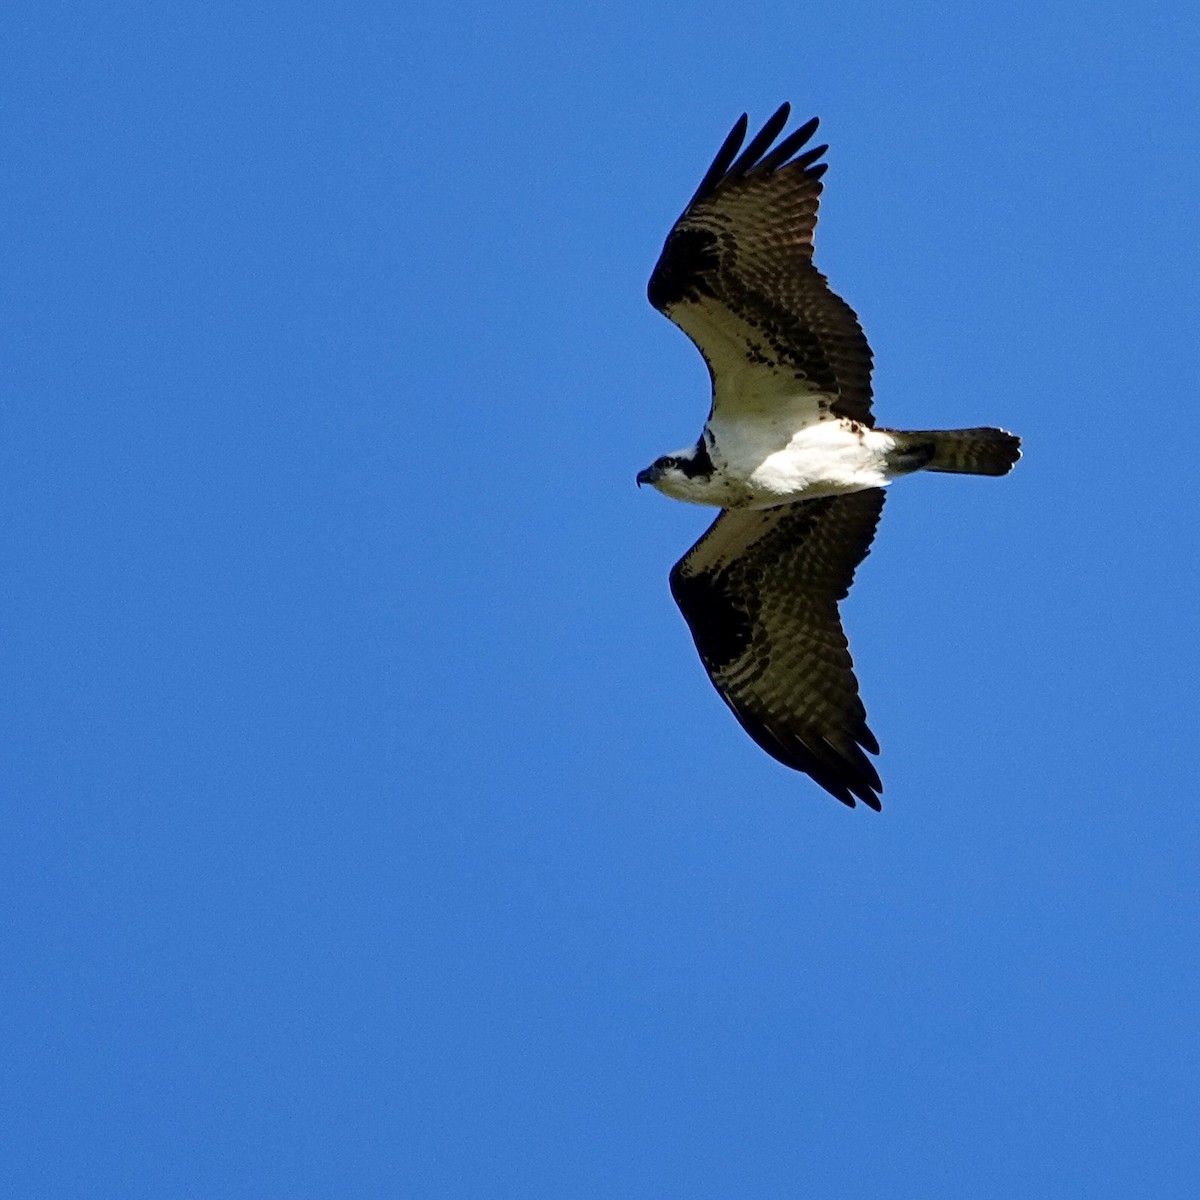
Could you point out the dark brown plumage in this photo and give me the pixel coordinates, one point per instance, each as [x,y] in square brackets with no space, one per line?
[736,275]
[759,592]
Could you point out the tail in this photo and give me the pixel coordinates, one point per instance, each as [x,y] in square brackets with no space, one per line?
[982,451]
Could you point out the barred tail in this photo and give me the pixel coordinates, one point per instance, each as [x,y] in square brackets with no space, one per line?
[983,451]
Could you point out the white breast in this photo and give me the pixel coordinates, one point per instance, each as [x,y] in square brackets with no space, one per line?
[825,458]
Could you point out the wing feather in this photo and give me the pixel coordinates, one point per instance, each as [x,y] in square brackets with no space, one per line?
[724,158]
[760,593]
[736,275]
[761,140]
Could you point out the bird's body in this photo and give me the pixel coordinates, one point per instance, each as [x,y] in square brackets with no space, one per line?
[789,452]
[775,459]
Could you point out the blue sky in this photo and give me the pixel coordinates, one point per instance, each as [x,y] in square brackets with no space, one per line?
[371,828]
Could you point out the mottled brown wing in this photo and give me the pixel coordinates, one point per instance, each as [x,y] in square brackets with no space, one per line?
[759,592]
[736,275]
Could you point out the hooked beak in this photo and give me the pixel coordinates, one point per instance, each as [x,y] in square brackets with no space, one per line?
[649,475]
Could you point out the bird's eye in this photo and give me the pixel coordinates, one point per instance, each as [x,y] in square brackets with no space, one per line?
[665,464]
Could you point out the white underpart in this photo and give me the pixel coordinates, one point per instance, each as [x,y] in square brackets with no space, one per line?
[770,450]
[825,458]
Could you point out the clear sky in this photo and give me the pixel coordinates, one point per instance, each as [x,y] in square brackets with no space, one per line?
[370,828]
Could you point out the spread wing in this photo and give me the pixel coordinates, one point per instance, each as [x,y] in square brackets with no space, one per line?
[759,592]
[736,275]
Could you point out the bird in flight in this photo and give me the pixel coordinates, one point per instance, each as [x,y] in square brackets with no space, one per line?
[790,454]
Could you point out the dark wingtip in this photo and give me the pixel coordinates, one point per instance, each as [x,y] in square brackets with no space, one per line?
[761,140]
[840,767]
[865,790]
[846,773]
[790,144]
[725,156]
[758,157]
[849,792]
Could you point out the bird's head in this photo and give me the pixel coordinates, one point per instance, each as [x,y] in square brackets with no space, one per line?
[684,475]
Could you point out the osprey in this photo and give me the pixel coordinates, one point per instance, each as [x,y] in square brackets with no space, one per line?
[790,453]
